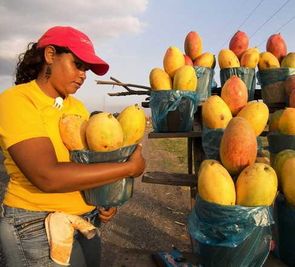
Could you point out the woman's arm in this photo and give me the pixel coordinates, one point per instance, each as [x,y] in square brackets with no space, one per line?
[36,159]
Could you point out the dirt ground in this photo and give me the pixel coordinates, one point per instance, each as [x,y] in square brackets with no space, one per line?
[154,219]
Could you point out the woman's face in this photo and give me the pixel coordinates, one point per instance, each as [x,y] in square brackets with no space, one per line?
[67,73]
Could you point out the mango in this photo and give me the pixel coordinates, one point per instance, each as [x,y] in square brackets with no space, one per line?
[238,146]
[228,59]
[133,122]
[206,60]
[277,46]
[215,184]
[288,180]
[185,78]
[215,113]
[188,60]
[257,114]
[287,122]
[234,92]
[279,160]
[193,45]
[250,58]
[104,132]
[160,79]
[274,120]
[72,128]
[173,59]
[267,61]
[288,61]
[239,43]
[256,186]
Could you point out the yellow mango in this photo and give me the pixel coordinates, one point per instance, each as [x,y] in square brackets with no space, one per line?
[228,59]
[288,61]
[215,113]
[104,132]
[274,119]
[287,122]
[206,60]
[250,58]
[185,78]
[173,60]
[160,79]
[256,185]
[133,122]
[279,161]
[72,130]
[288,180]
[267,61]
[256,113]
[215,183]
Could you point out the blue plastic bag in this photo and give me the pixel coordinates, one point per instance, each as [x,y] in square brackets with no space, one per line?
[284,215]
[211,139]
[272,86]
[231,235]
[205,79]
[109,195]
[173,110]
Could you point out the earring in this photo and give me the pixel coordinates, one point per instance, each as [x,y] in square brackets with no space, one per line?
[47,72]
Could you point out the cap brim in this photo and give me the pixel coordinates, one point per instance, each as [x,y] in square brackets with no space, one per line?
[97,65]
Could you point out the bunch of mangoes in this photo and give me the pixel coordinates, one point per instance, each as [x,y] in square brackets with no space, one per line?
[238,178]
[178,67]
[239,54]
[175,75]
[242,122]
[103,131]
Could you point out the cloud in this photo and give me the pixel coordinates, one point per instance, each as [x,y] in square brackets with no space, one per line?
[103,20]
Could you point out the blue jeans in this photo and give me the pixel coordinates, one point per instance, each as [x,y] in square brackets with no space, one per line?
[24,243]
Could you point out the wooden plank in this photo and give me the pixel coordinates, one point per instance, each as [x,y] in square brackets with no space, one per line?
[176,179]
[175,134]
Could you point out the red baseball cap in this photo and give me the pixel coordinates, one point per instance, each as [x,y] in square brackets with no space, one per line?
[78,43]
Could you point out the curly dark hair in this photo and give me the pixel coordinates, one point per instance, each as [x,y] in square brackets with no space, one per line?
[31,61]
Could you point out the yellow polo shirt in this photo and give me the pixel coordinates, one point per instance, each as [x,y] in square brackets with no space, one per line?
[26,112]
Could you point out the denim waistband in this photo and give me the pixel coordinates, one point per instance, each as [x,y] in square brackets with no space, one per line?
[91,216]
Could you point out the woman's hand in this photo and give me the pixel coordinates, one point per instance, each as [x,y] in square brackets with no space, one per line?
[106,215]
[137,162]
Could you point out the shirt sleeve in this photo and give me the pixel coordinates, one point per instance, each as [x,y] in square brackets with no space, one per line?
[19,119]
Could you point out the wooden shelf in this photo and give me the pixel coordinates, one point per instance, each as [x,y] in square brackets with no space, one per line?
[166,178]
[192,134]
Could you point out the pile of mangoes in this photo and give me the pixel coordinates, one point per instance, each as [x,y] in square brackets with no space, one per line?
[243,122]
[178,71]
[103,132]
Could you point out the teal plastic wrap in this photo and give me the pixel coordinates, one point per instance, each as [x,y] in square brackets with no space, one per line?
[272,86]
[211,139]
[205,79]
[231,235]
[110,195]
[284,215]
[173,110]
[278,142]
[247,75]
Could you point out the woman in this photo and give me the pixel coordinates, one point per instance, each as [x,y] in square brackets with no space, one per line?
[42,178]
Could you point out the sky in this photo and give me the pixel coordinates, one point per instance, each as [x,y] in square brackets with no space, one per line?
[133,35]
